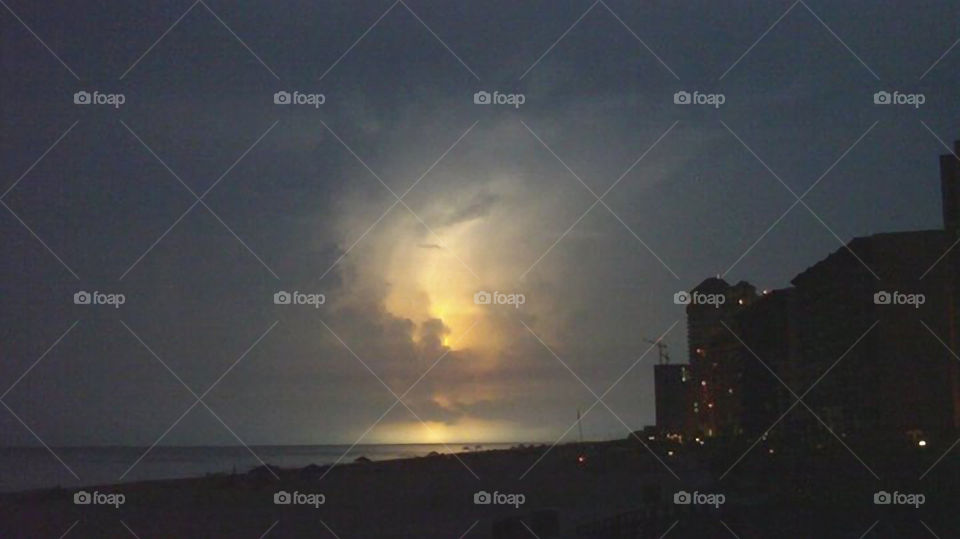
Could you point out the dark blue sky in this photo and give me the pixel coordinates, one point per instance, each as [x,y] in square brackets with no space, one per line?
[303,187]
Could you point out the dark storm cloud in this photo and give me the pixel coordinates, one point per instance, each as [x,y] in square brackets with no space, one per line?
[285,212]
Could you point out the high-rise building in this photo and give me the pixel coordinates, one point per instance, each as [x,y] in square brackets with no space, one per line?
[716,357]
[672,386]
[902,378]
[871,331]
[768,333]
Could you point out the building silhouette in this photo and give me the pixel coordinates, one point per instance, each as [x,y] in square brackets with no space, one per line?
[867,337]
[671,385]
[716,357]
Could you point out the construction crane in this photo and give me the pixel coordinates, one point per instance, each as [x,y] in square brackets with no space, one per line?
[661,350]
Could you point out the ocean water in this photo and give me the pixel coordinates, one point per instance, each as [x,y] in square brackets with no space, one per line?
[29,468]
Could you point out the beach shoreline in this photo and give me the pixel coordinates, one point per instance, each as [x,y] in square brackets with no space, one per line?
[436,496]
[580,490]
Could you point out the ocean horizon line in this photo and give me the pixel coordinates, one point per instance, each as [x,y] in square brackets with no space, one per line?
[227,446]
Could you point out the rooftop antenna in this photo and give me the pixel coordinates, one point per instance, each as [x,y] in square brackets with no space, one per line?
[661,350]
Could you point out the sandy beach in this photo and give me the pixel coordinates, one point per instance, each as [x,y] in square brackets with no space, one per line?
[615,489]
[420,497]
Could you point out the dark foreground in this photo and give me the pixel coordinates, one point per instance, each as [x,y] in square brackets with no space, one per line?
[618,490]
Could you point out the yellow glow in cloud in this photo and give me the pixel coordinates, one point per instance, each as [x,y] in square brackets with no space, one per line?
[433,275]
[465,430]
[434,281]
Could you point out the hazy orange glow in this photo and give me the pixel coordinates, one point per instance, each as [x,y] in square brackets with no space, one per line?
[466,430]
[433,275]
[434,281]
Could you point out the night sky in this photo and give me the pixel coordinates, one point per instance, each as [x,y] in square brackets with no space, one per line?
[303,198]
